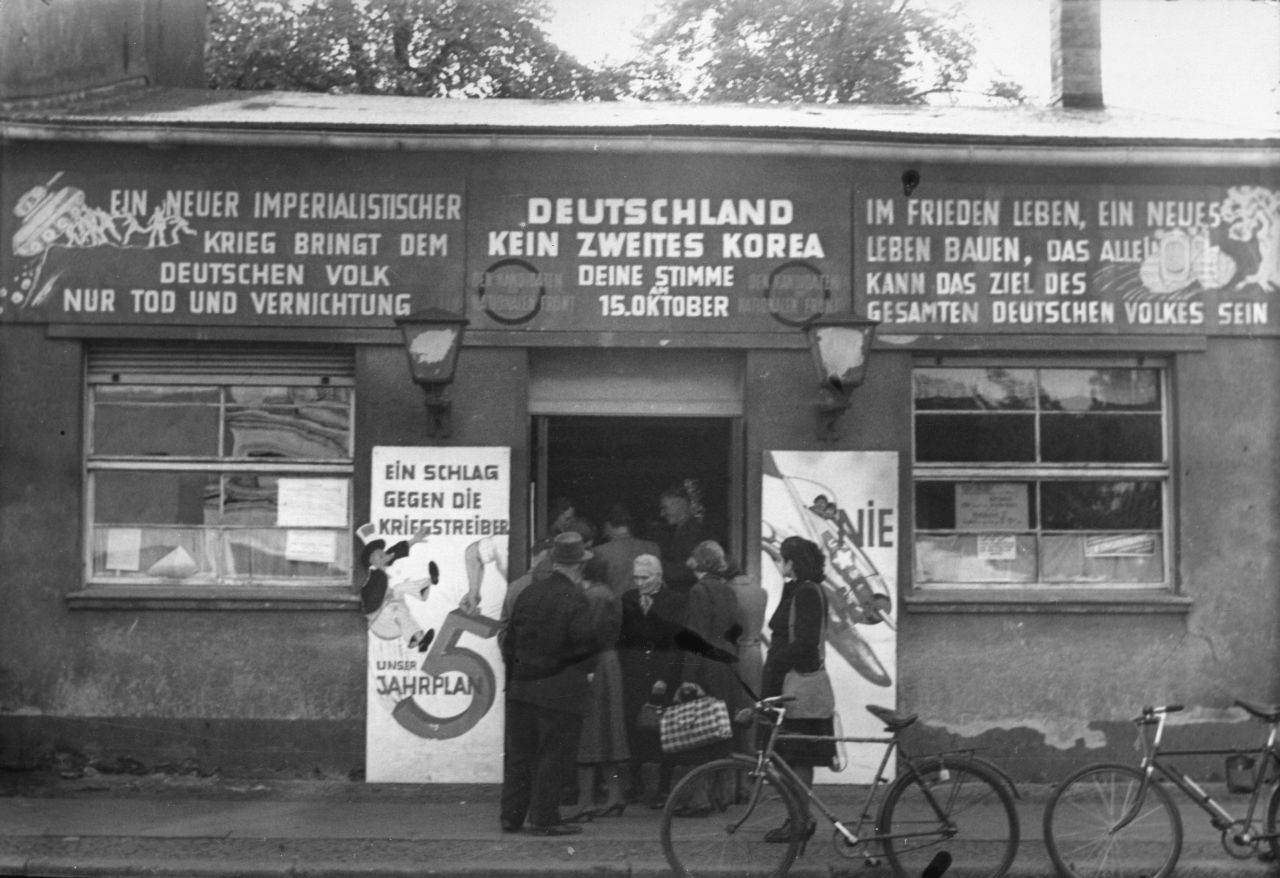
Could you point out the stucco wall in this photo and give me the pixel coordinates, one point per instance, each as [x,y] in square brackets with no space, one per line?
[236,691]
[1047,690]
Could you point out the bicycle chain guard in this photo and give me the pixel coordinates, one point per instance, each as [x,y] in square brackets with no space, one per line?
[1235,845]
[850,850]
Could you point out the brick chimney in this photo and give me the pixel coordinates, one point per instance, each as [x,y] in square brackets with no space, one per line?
[1076,53]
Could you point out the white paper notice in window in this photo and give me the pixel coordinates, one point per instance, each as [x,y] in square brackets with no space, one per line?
[311,503]
[991,506]
[124,548]
[1120,546]
[313,546]
[997,547]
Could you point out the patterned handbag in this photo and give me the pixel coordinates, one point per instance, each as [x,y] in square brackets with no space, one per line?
[694,723]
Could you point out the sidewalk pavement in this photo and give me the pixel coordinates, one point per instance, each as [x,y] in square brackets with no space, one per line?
[187,827]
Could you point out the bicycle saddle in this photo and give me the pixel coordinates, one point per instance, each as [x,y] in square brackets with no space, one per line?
[895,721]
[1268,712]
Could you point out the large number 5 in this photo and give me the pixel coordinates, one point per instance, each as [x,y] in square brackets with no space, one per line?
[446,656]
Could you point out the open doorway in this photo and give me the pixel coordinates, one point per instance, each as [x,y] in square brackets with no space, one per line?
[600,460]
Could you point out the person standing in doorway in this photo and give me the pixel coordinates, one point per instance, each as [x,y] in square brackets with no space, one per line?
[682,528]
[547,639]
[621,549]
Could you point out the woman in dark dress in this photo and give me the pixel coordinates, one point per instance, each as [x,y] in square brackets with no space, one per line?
[802,650]
[603,746]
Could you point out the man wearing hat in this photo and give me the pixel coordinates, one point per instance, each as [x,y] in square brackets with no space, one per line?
[548,635]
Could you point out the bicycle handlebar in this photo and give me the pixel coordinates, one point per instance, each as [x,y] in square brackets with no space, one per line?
[775,700]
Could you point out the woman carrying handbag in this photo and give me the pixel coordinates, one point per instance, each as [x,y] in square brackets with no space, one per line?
[795,664]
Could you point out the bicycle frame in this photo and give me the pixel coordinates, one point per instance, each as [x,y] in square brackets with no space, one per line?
[891,745]
[1219,817]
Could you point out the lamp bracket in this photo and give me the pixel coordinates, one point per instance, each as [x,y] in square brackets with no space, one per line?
[830,407]
[439,410]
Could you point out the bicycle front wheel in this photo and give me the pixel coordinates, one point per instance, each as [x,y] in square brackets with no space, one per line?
[1080,819]
[954,804]
[718,816]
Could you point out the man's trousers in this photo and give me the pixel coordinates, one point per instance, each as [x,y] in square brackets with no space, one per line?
[533,768]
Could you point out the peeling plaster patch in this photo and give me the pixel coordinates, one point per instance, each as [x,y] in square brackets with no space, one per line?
[1069,733]
[1059,733]
[1200,714]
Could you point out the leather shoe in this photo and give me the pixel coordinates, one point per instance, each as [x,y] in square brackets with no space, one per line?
[556,829]
[783,834]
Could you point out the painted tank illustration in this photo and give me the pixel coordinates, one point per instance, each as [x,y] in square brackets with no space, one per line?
[47,214]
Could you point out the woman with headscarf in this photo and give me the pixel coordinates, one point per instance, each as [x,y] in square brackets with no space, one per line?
[796,632]
[712,617]
[710,654]
[652,617]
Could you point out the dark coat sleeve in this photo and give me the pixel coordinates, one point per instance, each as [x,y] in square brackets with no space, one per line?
[805,649]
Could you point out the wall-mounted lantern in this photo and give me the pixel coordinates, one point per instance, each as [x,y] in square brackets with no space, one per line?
[432,339]
[841,345]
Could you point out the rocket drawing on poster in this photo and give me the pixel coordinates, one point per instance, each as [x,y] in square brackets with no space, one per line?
[846,502]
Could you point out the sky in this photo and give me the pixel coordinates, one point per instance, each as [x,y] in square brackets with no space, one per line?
[1215,59]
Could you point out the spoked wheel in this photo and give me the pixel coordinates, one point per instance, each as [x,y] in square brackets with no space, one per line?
[1080,819]
[977,812]
[716,821]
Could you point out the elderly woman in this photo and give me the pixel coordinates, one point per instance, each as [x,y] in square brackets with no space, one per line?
[652,616]
[796,643]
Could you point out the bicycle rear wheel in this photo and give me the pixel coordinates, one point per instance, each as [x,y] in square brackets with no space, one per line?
[977,816]
[1082,811]
[716,818]
[1273,822]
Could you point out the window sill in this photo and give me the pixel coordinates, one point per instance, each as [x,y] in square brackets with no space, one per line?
[1043,600]
[159,597]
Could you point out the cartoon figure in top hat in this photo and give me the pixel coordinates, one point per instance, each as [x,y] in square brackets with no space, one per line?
[389,616]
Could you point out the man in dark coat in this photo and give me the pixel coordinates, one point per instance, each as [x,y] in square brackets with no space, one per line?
[548,690]
[681,531]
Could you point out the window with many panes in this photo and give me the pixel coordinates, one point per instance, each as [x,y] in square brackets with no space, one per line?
[219,468]
[1041,475]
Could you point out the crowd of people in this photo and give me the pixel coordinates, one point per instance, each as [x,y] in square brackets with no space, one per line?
[602,633]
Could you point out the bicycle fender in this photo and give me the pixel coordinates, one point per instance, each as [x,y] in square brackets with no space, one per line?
[1000,773]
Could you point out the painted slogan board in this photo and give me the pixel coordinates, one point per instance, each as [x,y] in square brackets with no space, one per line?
[225,244]
[1064,259]
[266,238]
[435,675]
[847,503]
[734,254]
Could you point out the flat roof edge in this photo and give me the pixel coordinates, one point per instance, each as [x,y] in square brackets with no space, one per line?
[861,145]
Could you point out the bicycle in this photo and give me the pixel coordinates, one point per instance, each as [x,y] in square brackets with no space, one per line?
[720,817]
[1111,819]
